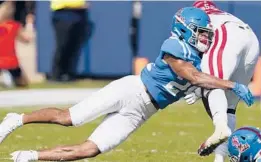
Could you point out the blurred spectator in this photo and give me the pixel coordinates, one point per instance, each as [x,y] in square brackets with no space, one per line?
[23,10]
[138,62]
[7,9]
[134,32]
[70,24]
[10,30]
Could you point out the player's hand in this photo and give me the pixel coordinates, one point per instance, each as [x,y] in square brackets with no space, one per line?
[244,93]
[191,98]
[23,156]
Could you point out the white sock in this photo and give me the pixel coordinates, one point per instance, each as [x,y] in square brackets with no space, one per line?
[218,106]
[221,151]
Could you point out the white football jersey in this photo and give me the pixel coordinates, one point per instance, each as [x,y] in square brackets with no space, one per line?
[217,19]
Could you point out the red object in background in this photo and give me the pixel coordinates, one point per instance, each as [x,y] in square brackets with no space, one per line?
[208,6]
[8,33]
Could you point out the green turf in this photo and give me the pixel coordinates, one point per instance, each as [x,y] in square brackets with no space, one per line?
[172,135]
[86,83]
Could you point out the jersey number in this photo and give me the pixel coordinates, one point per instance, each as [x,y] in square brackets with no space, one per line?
[174,88]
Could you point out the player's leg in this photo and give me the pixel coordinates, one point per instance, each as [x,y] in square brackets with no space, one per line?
[103,139]
[242,75]
[99,103]
[221,61]
[107,100]
[221,151]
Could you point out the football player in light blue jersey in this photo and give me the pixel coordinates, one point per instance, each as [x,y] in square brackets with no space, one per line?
[176,71]
[128,102]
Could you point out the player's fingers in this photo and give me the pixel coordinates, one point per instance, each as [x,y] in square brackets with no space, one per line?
[190,101]
[252,99]
[249,99]
[187,99]
[188,96]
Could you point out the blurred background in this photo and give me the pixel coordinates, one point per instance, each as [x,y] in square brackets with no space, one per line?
[78,43]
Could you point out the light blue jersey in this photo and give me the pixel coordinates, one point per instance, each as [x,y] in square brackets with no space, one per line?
[162,83]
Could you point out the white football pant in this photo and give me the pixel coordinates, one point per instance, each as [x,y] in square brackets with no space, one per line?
[126,106]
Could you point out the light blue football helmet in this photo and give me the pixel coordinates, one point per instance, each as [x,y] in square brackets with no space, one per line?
[244,145]
[188,23]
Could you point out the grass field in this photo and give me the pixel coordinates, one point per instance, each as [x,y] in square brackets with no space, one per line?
[86,83]
[172,135]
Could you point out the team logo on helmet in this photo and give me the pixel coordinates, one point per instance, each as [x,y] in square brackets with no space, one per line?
[240,146]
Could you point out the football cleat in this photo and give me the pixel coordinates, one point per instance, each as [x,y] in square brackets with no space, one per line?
[220,135]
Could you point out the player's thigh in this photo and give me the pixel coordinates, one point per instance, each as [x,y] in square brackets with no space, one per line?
[113,131]
[106,100]
[111,98]
[225,53]
[253,52]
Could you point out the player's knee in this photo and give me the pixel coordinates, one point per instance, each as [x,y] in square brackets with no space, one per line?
[87,150]
[63,117]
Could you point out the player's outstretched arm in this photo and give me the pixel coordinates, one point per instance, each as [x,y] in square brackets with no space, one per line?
[187,71]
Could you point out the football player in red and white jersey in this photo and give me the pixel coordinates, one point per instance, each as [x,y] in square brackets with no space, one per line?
[232,56]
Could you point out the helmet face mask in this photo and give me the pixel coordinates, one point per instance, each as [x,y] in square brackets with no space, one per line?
[201,37]
[195,30]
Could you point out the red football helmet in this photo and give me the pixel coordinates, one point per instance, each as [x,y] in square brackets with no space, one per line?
[207,5]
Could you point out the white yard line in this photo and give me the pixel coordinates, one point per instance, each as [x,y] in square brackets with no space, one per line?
[39,97]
